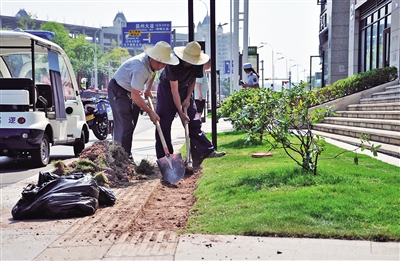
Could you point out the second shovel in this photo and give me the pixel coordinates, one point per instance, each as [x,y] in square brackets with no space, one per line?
[171,166]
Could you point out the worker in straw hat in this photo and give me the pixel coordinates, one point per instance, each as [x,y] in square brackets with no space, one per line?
[125,87]
[175,91]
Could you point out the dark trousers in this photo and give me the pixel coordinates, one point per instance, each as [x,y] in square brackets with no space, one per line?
[200,105]
[125,115]
[166,109]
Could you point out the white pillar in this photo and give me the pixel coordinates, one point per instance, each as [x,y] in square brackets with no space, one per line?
[235,38]
[245,37]
[231,83]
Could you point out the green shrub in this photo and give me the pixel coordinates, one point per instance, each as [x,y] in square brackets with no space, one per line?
[145,167]
[101,178]
[357,83]
[85,166]
[251,110]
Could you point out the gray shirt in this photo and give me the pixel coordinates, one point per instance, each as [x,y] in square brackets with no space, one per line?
[134,73]
[204,86]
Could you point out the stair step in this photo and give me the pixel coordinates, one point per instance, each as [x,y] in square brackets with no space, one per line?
[377,115]
[394,87]
[385,136]
[391,125]
[390,93]
[385,115]
[385,148]
[380,100]
[392,106]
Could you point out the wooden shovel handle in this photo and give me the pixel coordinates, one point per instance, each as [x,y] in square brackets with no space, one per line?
[188,155]
[160,133]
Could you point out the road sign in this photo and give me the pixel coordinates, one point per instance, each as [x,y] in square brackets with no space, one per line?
[227,66]
[137,34]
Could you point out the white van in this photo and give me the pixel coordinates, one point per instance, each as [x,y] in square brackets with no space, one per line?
[39,99]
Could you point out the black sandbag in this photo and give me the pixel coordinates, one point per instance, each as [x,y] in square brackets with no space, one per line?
[46,177]
[106,196]
[74,195]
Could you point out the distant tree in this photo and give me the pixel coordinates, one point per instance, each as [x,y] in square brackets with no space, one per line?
[113,58]
[62,37]
[81,55]
[115,54]
[28,22]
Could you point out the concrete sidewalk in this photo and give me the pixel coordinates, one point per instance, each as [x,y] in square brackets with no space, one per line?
[102,237]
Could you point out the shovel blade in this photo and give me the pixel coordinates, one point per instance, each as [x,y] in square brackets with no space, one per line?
[172,168]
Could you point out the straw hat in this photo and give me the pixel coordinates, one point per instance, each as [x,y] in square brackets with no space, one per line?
[247,66]
[192,54]
[161,52]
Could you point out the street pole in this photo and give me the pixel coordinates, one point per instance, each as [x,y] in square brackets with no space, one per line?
[286,64]
[235,44]
[95,59]
[262,72]
[297,65]
[280,58]
[231,48]
[272,63]
[245,51]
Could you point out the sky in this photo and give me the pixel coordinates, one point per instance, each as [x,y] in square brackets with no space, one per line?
[290,27]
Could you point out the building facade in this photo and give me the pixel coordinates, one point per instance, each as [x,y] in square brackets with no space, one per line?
[223,44]
[357,36]
[103,36]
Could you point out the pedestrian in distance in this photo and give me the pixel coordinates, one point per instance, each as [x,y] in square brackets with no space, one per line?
[201,89]
[175,89]
[252,77]
[125,87]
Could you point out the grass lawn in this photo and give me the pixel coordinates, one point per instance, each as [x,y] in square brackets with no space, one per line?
[271,196]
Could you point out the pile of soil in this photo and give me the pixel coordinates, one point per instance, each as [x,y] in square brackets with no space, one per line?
[120,170]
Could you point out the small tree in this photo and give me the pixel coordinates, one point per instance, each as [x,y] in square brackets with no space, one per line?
[283,116]
[292,129]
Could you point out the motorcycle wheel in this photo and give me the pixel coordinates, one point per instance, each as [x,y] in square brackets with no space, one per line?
[100,128]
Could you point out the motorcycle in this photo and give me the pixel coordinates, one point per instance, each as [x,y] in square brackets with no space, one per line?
[99,117]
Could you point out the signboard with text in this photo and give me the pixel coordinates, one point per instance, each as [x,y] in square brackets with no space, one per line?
[137,34]
[252,50]
[228,66]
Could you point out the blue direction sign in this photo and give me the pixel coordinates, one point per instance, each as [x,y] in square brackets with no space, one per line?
[228,66]
[137,34]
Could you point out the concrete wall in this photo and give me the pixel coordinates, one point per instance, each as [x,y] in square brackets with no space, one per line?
[354,35]
[339,40]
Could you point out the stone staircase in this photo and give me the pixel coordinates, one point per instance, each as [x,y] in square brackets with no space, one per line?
[375,112]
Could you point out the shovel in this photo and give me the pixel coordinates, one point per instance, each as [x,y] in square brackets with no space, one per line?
[188,153]
[171,166]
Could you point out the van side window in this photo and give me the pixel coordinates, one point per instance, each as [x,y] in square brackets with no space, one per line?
[69,93]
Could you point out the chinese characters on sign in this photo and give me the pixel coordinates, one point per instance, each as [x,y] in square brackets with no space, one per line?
[11,120]
[137,34]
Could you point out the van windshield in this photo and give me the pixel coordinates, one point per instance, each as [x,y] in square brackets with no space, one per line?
[20,66]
